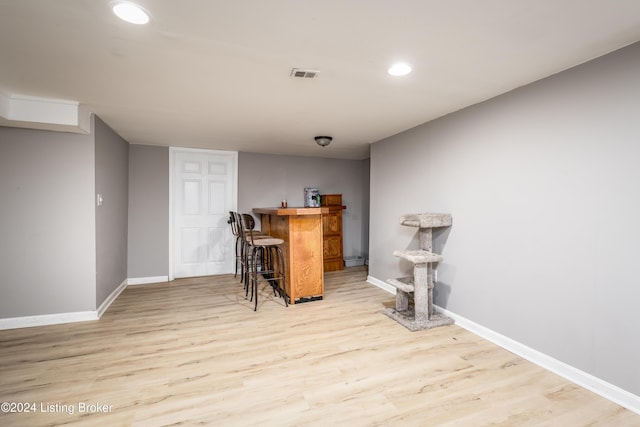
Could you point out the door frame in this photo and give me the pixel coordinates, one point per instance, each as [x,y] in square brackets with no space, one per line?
[172,198]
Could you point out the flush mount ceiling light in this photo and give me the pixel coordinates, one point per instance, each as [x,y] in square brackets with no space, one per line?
[323,141]
[399,69]
[130,12]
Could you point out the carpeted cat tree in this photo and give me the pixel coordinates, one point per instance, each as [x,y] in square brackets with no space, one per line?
[420,315]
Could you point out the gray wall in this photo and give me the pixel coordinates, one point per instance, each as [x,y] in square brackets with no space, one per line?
[148,211]
[264,180]
[112,182]
[543,184]
[47,223]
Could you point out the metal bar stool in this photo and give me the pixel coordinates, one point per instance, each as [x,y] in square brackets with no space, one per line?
[264,259]
[235,230]
[243,251]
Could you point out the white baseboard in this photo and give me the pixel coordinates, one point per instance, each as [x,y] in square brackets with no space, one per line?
[596,385]
[382,285]
[145,280]
[575,375]
[79,316]
[111,298]
[47,319]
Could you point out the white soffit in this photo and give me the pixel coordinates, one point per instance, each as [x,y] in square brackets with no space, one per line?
[43,113]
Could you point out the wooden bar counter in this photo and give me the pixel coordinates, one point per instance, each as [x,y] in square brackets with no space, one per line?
[301,230]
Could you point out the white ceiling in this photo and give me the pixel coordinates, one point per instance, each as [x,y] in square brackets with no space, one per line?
[215,74]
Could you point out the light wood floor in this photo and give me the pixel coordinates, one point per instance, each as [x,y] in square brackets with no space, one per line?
[193,352]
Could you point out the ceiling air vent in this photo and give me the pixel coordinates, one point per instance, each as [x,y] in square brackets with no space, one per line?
[304,74]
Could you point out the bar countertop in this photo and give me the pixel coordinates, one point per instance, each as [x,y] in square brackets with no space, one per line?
[292,211]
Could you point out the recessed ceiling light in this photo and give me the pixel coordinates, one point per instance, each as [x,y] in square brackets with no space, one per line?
[130,12]
[399,69]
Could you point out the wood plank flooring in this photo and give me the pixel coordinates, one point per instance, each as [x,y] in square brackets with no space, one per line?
[193,352]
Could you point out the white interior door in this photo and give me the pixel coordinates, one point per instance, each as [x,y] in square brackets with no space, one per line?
[204,190]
